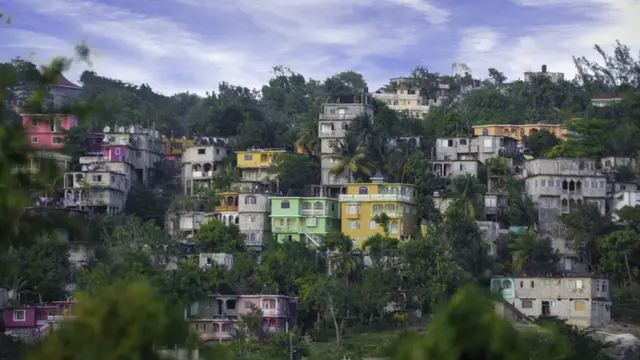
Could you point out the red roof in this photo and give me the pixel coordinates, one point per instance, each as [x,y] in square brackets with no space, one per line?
[62,81]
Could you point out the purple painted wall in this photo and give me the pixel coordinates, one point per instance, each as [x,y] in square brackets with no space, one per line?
[95,143]
[117,153]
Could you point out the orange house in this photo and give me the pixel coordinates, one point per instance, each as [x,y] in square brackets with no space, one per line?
[518,132]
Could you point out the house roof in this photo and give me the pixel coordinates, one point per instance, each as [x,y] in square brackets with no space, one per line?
[63,81]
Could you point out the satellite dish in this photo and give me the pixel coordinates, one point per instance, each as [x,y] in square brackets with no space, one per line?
[106,129]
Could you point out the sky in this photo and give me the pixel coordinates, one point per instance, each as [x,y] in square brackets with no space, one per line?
[192,45]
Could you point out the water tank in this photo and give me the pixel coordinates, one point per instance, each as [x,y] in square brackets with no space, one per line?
[544,68]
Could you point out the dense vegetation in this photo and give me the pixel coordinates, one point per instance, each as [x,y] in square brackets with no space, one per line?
[131,305]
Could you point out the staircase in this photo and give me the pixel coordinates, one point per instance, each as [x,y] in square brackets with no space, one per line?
[313,239]
[40,332]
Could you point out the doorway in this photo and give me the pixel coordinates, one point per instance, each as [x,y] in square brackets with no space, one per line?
[546,308]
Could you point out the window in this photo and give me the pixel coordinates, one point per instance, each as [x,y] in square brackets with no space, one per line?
[579,305]
[138,154]
[56,140]
[285,205]
[312,222]
[122,140]
[345,126]
[248,157]
[463,167]
[306,205]
[318,205]
[463,141]
[488,143]
[521,284]
[352,209]
[19,315]
[34,122]
[250,200]
[363,190]
[579,284]
[354,224]
[527,304]
[202,151]
[533,284]
[96,178]
[342,111]
[373,225]
[543,183]
[248,305]
[252,218]
[34,139]
[605,286]
[117,150]
[485,132]
[394,227]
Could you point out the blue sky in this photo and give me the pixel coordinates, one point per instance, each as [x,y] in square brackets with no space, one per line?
[192,45]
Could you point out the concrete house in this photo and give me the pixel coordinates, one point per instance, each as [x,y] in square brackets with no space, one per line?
[584,301]
[460,156]
[200,164]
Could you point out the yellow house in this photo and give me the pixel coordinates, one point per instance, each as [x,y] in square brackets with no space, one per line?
[404,99]
[175,147]
[362,202]
[518,132]
[255,163]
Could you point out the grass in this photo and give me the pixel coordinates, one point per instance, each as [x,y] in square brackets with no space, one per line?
[358,343]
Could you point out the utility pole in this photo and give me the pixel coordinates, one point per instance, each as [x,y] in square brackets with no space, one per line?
[290,346]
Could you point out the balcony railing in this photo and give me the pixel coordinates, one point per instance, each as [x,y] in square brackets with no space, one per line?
[256,242]
[392,214]
[287,229]
[227,208]
[271,312]
[376,197]
[315,212]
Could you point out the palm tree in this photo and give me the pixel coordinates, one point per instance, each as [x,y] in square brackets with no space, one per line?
[469,192]
[351,159]
[308,137]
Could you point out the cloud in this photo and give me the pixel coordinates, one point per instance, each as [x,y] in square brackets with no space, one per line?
[314,37]
[579,25]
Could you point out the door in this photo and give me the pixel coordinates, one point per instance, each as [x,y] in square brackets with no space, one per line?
[546,308]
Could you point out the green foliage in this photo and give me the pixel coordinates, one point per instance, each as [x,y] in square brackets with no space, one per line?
[294,172]
[126,321]
[532,254]
[215,236]
[541,142]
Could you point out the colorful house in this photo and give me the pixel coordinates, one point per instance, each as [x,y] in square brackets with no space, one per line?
[217,317]
[255,163]
[31,322]
[363,202]
[227,210]
[46,132]
[174,147]
[519,132]
[304,218]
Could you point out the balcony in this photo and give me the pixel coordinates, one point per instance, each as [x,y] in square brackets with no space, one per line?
[273,312]
[256,242]
[201,174]
[376,197]
[227,208]
[391,214]
[314,212]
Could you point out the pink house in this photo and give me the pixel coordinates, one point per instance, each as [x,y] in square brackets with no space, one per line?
[278,311]
[119,153]
[31,321]
[45,132]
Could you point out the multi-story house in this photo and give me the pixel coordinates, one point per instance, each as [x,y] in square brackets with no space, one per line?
[519,132]
[556,185]
[217,317]
[304,218]
[185,224]
[459,156]
[582,300]
[255,164]
[61,93]
[363,202]
[227,210]
[253,212]
[200,164]
[553,76]
[46,132]
[32,322]
[146,145]
[97,187]
[404,99]
[335,120]
[621,199]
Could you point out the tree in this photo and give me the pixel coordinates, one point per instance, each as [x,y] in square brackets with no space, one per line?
[541,142]
[497,76]
[582,227]
[619,253]
[351,159]
[294,172]
[126,321]
[215,236]
[532,254]
[469,193]
[44,267]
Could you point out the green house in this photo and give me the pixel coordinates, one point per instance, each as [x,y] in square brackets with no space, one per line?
[304,218]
